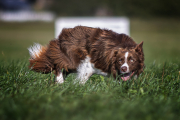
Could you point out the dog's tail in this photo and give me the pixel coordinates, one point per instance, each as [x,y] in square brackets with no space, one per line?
[39,61]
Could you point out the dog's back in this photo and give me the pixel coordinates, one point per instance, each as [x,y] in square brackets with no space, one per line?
[72,46]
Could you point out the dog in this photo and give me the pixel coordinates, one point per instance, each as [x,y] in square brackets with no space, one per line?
[87,51]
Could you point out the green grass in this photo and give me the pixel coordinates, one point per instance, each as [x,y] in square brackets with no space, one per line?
[15,38]
[27,95]
[161,38]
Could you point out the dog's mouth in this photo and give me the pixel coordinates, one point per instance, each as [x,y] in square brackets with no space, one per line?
[127,76]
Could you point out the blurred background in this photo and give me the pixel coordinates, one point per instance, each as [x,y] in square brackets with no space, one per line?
[156,22]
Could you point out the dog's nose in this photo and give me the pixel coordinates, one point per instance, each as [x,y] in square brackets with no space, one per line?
[124,69]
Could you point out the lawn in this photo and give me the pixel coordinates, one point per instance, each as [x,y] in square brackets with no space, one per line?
[155,95]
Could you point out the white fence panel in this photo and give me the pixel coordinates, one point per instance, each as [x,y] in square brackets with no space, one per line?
[117,24]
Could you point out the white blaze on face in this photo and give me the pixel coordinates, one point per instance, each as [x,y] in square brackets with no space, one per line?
[125,63]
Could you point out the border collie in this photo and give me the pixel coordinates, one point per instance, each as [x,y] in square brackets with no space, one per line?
[87,51]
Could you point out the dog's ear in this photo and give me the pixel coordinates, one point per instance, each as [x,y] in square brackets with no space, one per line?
[115,52]
[139,47]
[113,55]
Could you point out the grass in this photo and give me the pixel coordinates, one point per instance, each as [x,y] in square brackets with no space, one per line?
[15,38]
[155,95]
[161,38]
[29,95]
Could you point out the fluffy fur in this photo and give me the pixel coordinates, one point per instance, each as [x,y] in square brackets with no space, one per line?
[86,51]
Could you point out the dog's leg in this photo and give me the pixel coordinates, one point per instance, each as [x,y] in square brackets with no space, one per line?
[59,77]
[84,71]
[83,77]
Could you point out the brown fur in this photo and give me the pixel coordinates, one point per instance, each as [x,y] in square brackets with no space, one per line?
[104,47]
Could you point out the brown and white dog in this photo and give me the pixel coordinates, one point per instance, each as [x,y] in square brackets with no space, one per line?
[88,51]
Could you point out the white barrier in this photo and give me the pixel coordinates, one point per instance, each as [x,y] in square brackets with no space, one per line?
[117,24]
[24,16]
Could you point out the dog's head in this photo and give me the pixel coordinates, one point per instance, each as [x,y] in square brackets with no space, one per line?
[129,61]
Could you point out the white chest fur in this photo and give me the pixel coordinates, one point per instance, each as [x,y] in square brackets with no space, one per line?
[86,69]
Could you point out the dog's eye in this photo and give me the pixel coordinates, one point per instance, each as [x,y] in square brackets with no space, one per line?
[131,60]
[120,60]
